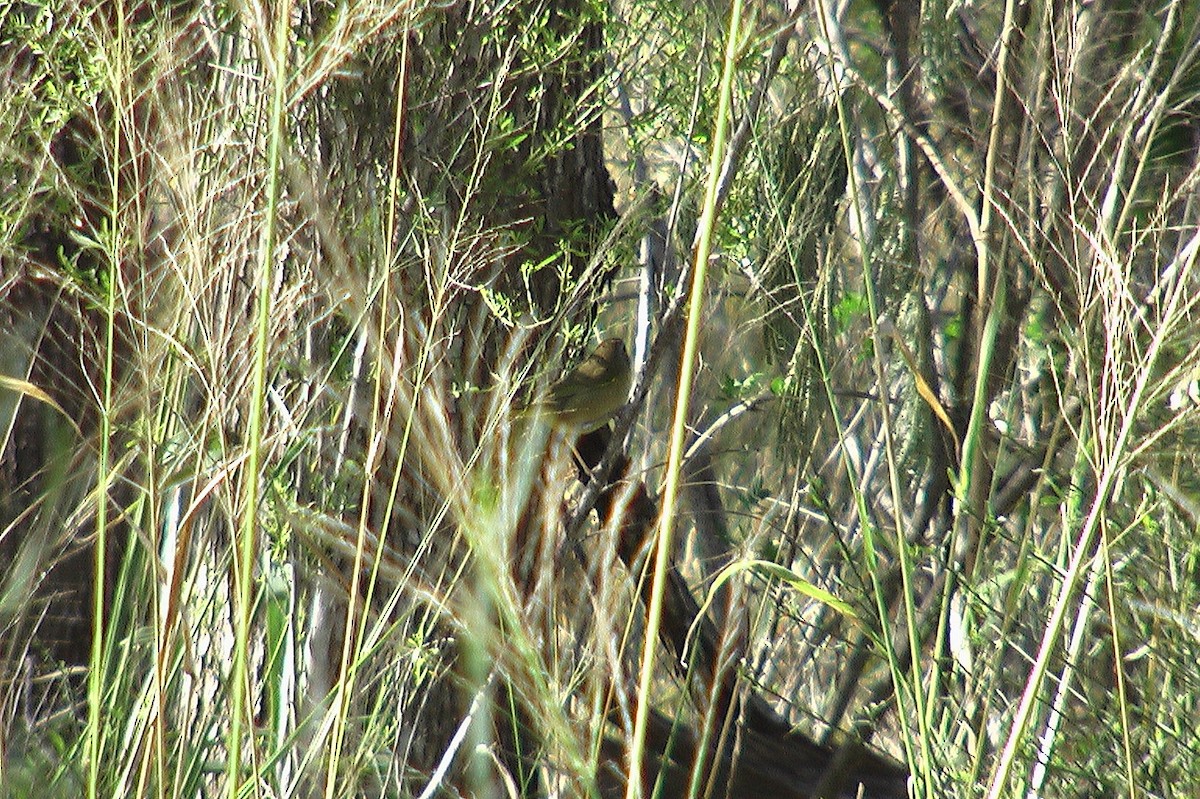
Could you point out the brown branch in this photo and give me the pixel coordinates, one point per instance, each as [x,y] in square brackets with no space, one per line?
[764,756]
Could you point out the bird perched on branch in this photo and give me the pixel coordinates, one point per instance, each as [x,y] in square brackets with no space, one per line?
[587,397]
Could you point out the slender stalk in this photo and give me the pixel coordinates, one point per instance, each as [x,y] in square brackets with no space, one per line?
[862,222]
[244,555]
[663,535]
[97,661]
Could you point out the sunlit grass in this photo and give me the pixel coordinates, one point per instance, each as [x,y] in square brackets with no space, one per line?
[300,301]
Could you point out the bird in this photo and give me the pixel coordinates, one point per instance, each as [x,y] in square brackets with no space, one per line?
[589,395]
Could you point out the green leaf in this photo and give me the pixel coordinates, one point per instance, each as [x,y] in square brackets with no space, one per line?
[774,571]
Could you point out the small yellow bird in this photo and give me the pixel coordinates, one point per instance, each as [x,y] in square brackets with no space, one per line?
[587,397]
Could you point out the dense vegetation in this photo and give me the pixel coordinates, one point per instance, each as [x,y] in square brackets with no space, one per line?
[905,491]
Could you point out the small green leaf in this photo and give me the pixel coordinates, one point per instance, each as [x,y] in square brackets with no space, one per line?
[771,570]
